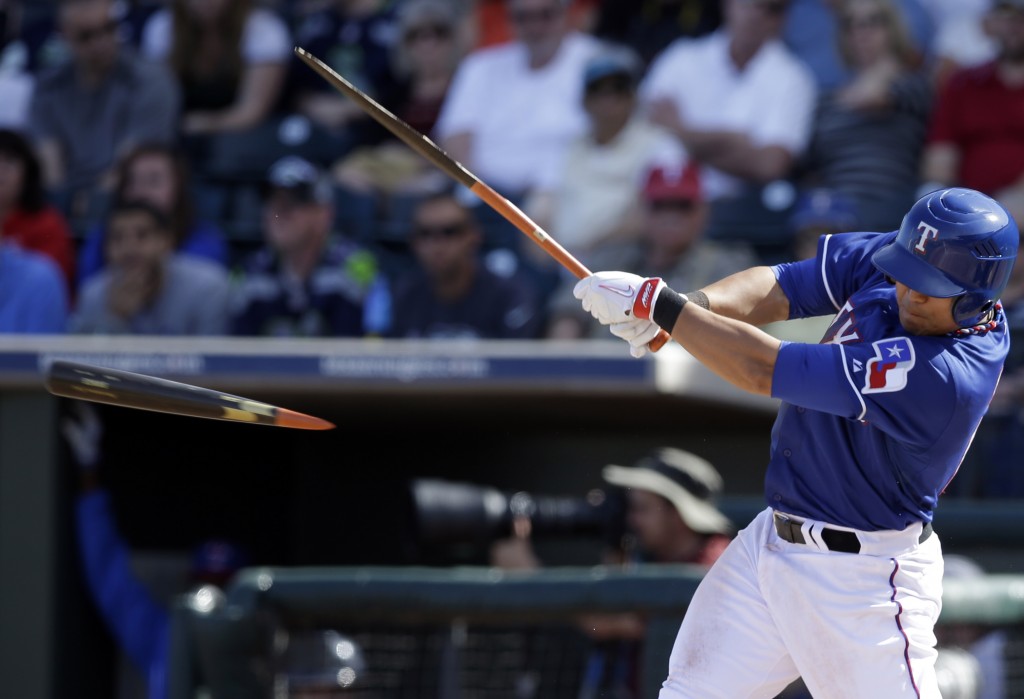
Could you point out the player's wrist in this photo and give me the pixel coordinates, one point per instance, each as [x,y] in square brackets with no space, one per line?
[667,309]
[647,296]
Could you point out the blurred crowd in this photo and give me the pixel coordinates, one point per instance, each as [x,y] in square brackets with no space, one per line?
[173,168]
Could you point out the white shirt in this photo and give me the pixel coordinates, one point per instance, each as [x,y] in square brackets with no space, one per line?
[522,120]
[771,100]
[602,181]
[265,37]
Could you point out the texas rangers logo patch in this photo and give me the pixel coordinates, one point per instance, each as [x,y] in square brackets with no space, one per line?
[888,370]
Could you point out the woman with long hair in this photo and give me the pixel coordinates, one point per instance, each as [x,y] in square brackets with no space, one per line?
[27,218]
[230,58]
[868,134]
[158,174]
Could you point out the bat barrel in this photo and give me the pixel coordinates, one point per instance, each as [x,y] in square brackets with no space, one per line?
[130,390]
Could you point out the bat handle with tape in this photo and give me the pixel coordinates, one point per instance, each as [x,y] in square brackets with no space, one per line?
[523,222]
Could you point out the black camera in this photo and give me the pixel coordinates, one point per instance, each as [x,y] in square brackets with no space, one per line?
[462,513]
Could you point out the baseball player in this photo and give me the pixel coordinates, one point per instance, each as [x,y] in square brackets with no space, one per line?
[839,580]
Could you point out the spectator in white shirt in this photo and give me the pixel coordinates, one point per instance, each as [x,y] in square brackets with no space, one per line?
[737,99]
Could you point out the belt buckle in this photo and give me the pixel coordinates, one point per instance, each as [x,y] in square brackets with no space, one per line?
[784,526]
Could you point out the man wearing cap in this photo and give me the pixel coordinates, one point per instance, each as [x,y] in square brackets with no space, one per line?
[671,241]
[596,198]
[976,138]
[305,282]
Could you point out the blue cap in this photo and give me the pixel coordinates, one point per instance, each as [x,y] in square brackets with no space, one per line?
[824,208]
[612,60]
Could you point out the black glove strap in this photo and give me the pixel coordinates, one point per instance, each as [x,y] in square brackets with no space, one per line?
[667,309]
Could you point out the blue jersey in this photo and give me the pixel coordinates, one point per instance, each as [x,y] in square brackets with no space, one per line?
[874,421]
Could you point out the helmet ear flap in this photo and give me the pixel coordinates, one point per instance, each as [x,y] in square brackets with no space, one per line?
[971,309]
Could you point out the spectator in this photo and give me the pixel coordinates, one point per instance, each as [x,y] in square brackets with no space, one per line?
[158,174]
[671,517]
[483,123]
[425,58]
[16,80]
[304,282]
[487,22]
[230,58]
[868,133]
[26,216]
[671,246]
[649,26]
[960,38]
[812,27]
[738,100]
[93,108]
[140,624]
[597,199]
[454,295]
[357,39]
[146,287]
[33,296]
[977,138]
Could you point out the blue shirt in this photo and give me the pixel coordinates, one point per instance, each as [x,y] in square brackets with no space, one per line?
[33,298]
[140,624]
[874,421]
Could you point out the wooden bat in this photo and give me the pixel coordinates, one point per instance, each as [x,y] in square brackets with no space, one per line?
[432,152]
[130,390]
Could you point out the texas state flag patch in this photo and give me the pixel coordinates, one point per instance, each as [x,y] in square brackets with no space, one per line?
[888,370]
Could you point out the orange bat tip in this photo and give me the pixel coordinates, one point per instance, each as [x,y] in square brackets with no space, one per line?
[300,421]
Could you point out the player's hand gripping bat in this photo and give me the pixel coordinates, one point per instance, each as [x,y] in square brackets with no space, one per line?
[432,152]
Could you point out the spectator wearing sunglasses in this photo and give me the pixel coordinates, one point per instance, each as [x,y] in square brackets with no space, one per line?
[306,281]
[453,295]
[90,110]
[671,246]
[424,61]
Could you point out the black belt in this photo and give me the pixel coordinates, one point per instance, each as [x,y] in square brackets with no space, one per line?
[835,539]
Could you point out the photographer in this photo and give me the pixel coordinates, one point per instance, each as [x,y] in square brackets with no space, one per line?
[670,517]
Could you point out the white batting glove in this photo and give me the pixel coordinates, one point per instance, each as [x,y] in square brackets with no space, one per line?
[637,332]
[614,297]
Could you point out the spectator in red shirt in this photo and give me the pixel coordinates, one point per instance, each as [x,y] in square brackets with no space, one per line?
[26,217]
[977,129]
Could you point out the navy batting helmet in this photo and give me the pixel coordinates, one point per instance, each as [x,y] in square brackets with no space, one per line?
[954,242]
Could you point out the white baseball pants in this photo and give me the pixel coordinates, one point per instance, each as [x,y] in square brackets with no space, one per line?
[854,626]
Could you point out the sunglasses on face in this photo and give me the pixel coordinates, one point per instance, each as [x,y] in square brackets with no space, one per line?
[85,36]
[539,16]
[871,21]
[610,86]
[449,230]
[436,32]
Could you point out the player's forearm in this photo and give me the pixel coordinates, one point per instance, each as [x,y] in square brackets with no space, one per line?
[736,351]
[752,296]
